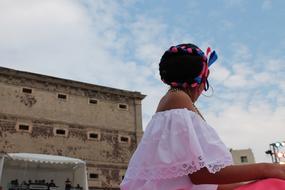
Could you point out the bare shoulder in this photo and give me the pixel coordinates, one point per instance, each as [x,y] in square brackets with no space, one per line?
[175,100]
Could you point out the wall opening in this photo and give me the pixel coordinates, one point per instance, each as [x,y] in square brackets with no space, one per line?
[62,96]
[124,139]
[93,101]
[91,135]
[123,106]
[27,90]
[93,176]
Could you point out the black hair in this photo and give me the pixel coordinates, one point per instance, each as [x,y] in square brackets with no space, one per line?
[180,66]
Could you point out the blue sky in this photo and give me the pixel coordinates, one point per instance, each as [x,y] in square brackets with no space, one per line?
[119,44]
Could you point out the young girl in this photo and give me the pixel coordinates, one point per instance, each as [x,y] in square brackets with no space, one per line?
[179,150]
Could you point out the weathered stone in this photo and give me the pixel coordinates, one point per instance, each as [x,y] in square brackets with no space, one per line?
[44,112]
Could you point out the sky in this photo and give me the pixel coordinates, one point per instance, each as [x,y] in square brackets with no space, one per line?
[119,44]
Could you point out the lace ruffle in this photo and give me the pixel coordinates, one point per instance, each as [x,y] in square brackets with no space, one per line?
[177,170]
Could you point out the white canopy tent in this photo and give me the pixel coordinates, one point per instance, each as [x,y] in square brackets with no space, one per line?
[26,166]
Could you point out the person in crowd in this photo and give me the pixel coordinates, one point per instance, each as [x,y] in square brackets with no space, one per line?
[51,184]
[67,184]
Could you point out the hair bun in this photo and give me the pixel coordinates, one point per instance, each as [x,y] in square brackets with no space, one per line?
[181,64]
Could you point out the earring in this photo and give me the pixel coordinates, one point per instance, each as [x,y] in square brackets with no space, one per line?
[211,94]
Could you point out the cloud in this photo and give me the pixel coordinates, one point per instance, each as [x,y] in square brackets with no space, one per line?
[55,36]
[255,128]
[243,70]
[219,73]
[240,4]
[34,22]
[248,105]
[241,52]
[43,36]
[226,25]
[266,5]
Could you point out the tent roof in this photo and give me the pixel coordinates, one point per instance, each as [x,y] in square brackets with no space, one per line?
[44,158]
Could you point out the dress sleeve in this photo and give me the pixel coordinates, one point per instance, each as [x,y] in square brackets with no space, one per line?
[177,143]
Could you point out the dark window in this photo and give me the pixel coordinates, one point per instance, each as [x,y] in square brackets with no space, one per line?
[243,159]
[62,96]
[60,132]
[93,176]
[93,101]
[24,127]
[123,106]
[27,90]
[124,139]
[93,136]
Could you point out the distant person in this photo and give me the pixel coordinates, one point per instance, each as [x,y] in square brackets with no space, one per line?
[15,182]
[179,149]
[51,184]
[67,184]
[78,187]
[24,183]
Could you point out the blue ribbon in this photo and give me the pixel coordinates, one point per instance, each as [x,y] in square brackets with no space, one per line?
[213,58]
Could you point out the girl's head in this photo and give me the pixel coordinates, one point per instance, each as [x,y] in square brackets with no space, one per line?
[185,67]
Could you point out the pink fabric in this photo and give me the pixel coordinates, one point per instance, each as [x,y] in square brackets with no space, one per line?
[266,184]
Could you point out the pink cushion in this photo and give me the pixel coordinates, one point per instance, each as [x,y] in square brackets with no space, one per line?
[266,184]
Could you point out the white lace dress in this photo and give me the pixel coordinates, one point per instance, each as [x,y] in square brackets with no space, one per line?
[176,143]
